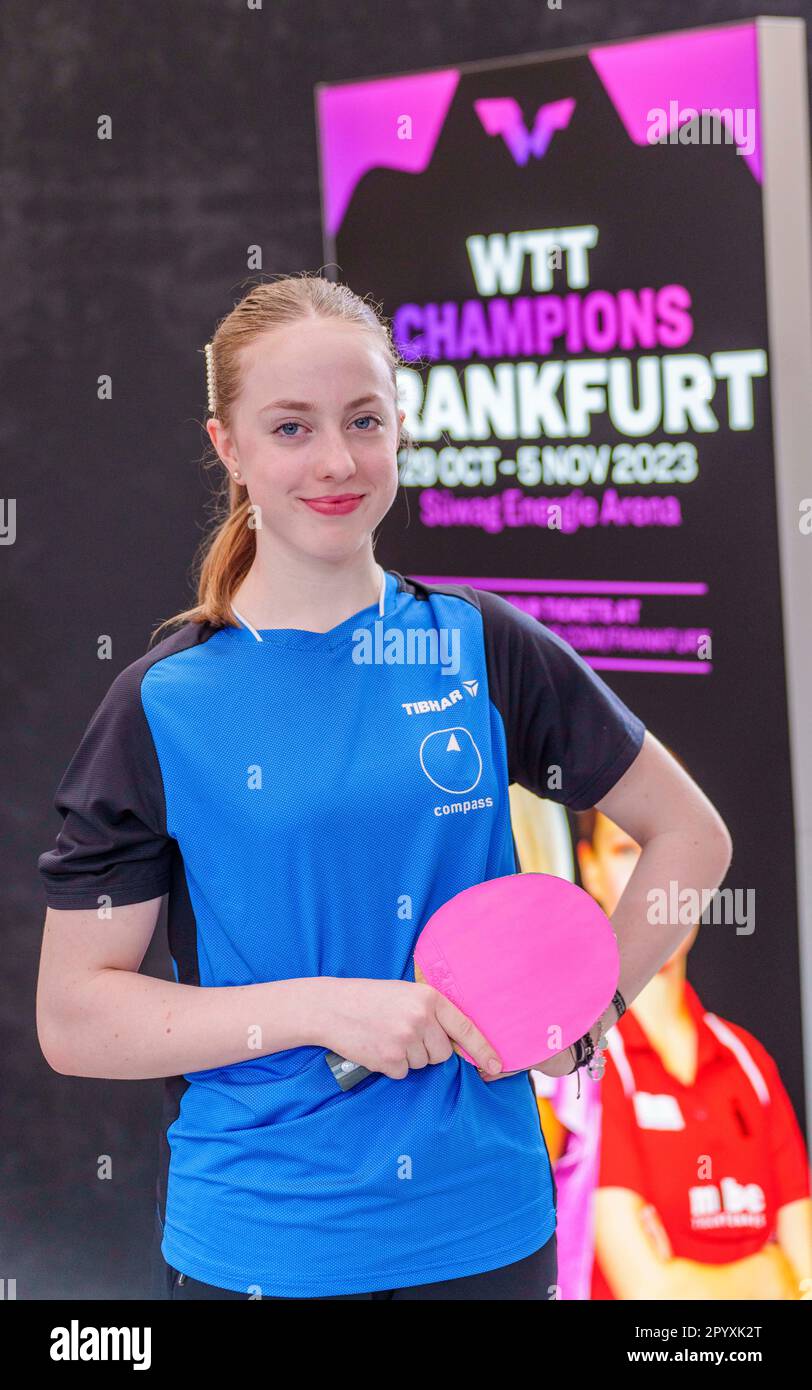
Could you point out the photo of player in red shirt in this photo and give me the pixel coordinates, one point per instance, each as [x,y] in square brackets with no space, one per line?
[703,1187]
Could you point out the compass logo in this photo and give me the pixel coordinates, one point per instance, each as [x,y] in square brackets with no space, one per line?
[451,760]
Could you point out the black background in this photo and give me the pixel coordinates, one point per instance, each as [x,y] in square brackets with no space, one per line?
[119,257]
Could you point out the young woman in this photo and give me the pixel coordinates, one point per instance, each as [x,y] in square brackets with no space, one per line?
[306,791]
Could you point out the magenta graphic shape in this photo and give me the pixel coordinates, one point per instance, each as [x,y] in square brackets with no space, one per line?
[359,126]
[703,69]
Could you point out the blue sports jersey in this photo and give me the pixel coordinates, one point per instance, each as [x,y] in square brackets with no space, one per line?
[307,800]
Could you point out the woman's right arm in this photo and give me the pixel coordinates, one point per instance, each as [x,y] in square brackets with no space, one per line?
[98,1017]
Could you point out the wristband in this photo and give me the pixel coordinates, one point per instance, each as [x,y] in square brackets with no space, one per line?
[589,1053]
[619,1003]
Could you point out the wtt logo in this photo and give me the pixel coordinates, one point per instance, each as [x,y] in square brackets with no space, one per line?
[502,116]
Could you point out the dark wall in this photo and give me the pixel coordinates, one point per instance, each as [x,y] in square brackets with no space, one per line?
[120,256]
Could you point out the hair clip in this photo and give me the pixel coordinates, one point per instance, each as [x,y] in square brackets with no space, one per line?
[210,378]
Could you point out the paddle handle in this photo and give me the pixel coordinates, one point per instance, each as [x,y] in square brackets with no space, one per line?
[348,1073]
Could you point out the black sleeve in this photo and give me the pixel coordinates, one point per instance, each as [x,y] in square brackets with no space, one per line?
[569,737]
[113,838]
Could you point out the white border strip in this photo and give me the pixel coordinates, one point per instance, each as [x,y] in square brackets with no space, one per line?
[788,261]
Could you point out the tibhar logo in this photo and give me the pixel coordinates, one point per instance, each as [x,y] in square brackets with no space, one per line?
[435,706]
[503,116]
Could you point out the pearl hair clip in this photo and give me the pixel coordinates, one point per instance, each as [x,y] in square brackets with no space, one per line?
[210,377]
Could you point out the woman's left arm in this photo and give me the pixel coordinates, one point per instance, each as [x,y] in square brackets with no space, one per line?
[684,842]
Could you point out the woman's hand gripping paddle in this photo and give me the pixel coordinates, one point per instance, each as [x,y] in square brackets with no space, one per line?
[530,958]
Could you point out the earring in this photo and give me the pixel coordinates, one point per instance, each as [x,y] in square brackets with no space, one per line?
[236,475]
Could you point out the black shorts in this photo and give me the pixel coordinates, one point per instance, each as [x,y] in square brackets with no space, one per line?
[534,1277]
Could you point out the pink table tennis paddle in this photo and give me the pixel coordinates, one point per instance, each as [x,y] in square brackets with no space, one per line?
[530,958]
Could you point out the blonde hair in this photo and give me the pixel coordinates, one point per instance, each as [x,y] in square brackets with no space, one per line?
[227,551]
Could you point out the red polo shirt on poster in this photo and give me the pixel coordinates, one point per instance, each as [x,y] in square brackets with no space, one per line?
[737,1111]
